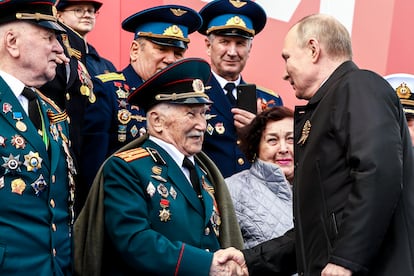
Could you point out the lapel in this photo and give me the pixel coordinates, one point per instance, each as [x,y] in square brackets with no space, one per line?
[30,135]
[173,173]
[207,199]
[221,105]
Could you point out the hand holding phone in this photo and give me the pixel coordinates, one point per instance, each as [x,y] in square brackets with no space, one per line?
[246,97]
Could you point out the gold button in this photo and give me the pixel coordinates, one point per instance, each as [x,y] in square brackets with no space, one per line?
[240,161]
[54,252]
[207,231]
[53,227]
[53,178]
[52,203]
[67,96]
[238,142]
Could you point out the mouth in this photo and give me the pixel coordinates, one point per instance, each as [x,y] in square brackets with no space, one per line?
[284,162]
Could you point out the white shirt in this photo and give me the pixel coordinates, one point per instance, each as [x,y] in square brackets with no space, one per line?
[222,81]
[16,87]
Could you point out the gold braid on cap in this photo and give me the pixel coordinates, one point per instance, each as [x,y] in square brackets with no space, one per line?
[175,96]
[35,16]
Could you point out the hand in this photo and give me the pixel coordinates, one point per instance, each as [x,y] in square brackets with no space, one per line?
[61,58]
[228,261]
[335,270]
[242,117]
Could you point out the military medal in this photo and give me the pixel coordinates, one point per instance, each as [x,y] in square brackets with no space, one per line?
[3,141]
[159,178]
[18,141]
[164,212]
[124,116]
[162,190]
[33,161]
[85,90]
[219,127]
[173,192]
[157,170]
[18,186]
[7,108]
[39,185]
[19,124]
[210,129]
[151,189]
[12,163]
[305,133]
[134,131]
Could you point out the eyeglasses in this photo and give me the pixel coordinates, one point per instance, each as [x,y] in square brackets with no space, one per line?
[79,12]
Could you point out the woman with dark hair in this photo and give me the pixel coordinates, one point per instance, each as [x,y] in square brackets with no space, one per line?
[262,195]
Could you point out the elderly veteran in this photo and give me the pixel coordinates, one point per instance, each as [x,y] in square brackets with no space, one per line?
[36,172]
[159,206]
[160,38]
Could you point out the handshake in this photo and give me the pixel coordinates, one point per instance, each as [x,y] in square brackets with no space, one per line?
[229,261]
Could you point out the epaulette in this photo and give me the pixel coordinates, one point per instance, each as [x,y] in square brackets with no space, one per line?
[269,91]
[111,77]
[132,154]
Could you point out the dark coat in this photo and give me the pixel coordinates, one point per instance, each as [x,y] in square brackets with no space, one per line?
[220,142]
[354,178]
[354,183]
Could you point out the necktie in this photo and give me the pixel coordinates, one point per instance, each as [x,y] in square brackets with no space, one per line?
[193,175]
[34,112]
[229,87]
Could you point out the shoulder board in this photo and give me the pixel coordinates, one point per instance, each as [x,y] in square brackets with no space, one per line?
[111,77]
[132,154]
[267,90]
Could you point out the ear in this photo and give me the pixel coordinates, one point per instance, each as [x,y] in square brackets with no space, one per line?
[134,50]
[208,46]
[315,49]
[11,41]
[156,121]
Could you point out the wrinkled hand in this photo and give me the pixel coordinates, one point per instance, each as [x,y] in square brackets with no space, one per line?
[61,58]
[335,270]
[229,261]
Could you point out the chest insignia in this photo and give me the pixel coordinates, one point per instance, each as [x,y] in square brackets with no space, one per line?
[305,133]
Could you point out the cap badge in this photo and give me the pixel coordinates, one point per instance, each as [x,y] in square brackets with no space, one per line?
[237,3]
[198,86]
[174,31]
[403,91]
[178,12]
[236,21]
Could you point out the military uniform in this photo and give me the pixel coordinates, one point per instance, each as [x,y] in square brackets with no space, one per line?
[240,19]
[221,141]
[154,222]
[112,122]
[36,190]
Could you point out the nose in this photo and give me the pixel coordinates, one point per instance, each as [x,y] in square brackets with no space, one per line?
[57,47]
[285,76]
[170,57]
[283,146]
[231,49]
[201,124]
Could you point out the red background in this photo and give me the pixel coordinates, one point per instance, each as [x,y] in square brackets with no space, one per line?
[382,36]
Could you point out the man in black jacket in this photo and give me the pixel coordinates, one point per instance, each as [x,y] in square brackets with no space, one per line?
[354,178]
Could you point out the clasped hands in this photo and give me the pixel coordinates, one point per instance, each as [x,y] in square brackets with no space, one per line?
[229,261]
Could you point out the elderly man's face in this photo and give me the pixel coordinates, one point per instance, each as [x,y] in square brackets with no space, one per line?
[184,127]
[37,53]
[147,58]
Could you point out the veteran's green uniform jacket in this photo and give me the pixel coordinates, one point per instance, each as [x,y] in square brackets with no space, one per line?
[154,223]
[34,190]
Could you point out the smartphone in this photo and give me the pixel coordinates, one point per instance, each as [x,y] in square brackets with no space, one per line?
[246,97]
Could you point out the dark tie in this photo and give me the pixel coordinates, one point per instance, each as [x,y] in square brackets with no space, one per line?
[34,112]
[193,175]
[229,88]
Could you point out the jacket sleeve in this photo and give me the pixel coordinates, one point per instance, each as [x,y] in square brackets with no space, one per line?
[273,257]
